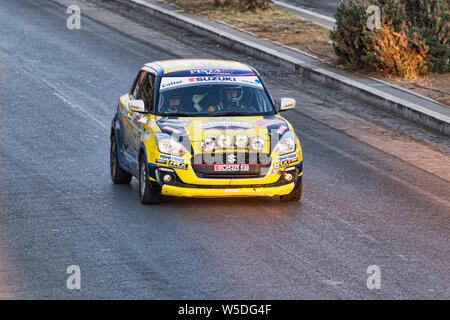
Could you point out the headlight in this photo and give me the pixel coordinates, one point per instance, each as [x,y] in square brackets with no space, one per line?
[208,145]
[257,143]
[224,141]
[286,144]
[241,141]
[167,145]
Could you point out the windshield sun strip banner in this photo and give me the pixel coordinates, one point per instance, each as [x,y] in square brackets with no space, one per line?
[208,72]
[175,82]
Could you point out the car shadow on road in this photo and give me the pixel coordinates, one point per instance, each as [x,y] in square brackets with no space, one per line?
[127,197]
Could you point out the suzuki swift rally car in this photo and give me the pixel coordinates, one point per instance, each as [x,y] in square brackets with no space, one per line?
[204,128]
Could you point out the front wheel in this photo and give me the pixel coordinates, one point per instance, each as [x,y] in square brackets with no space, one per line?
[295,194]
[118,175]
[146,192]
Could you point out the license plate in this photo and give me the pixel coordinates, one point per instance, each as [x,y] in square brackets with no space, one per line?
[231,167]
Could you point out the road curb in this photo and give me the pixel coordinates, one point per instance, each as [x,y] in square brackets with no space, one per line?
[400,107]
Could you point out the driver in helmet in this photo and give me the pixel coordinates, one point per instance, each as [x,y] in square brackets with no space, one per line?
[174,104]
[231,98]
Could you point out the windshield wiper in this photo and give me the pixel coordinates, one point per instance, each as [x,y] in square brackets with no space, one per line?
[229,114]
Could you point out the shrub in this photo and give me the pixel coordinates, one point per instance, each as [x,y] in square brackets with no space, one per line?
[348,36]
[413,36]
[429,21]
[252,5]
[391,53]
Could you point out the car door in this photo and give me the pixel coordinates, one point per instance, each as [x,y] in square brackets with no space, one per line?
[126,114]
[137,120]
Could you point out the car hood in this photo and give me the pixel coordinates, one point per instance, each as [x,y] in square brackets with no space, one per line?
[197,128]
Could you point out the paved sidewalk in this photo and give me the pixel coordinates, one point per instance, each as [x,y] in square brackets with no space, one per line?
[317,18]
[399,101]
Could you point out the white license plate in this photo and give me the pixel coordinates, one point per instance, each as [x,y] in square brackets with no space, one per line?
[231,167]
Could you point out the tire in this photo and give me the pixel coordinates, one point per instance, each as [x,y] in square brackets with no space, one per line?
[147,193]
[118,175]
[295,194]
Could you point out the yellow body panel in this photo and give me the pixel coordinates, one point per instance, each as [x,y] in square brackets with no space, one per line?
[228,192]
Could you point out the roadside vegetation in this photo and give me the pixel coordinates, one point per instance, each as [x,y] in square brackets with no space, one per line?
[410,48]
[411,39]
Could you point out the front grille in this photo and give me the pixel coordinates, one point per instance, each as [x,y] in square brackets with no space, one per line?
[204,165]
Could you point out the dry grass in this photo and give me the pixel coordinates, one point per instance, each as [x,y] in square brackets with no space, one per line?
[432,85]
[286,28]
[274,24]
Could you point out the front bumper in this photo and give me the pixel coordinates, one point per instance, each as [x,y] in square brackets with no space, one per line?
[170,190]
[184,181]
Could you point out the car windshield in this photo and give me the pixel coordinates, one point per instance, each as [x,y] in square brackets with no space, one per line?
[213,96]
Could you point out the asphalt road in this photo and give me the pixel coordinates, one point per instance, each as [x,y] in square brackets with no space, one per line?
[58,206]
[325,7]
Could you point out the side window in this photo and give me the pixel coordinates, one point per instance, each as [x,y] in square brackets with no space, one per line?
[145,91]
[138,84]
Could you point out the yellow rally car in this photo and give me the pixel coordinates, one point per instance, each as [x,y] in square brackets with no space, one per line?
[204,128]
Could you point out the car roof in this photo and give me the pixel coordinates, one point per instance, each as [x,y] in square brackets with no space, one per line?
[200,67]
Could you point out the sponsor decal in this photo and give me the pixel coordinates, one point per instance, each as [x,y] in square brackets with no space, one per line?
[285,161]
[175,121]
[177,164]
[289,156]
[216,78]
[136,117]
[171,129]
[253,82]
[136,137]
[145,134]
[211,71]
[226,126]
[282,129]
[167,157]
[174,82]
[169,84]
[268,122]
[205,71]
[172,161]
[162,161]
[281,164]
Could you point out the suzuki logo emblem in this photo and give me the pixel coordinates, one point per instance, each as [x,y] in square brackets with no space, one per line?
[231,158]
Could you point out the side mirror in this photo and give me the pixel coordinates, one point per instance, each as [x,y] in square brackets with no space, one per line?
[136,106]
[287,103]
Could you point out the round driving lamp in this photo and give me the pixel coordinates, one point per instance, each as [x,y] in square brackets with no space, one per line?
[224,141]
[208,144]
[241,141]
[257,143]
